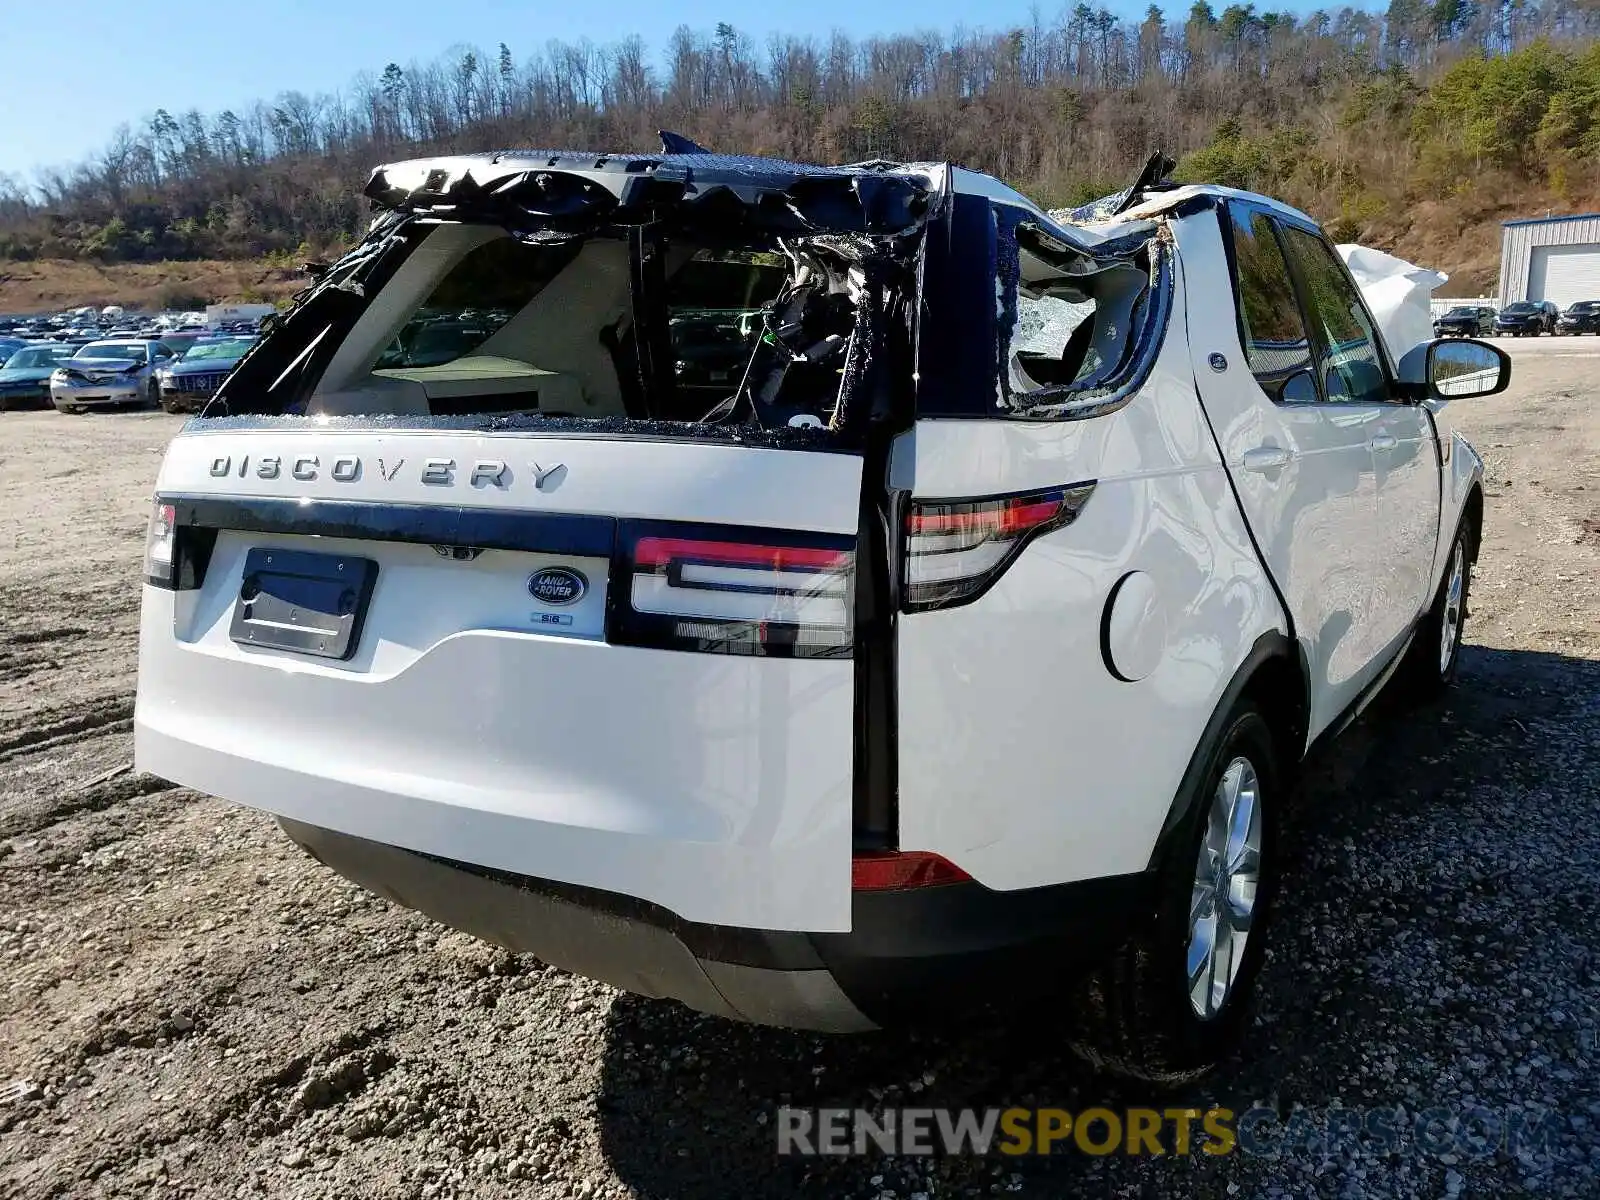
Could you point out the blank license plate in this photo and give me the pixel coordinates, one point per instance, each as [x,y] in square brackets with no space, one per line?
[302,602]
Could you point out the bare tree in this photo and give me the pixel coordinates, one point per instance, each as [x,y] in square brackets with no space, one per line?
[1060,105]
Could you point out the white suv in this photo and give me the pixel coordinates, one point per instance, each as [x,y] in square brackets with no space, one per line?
[959,623]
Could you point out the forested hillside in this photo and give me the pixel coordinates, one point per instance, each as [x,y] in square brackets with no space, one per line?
[1418,128]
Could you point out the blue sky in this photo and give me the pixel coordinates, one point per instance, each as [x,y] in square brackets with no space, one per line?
[72,75]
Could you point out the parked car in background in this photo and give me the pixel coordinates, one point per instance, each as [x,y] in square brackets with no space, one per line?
[709,352]
[950,660]
[433,342]
[1465,320]
[189,382]
[1581,317]
[110,372]
[9,346]
[25,376]
[181,340]
[1527,318]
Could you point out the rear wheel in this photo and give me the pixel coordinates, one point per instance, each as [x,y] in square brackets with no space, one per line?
[1170,1003]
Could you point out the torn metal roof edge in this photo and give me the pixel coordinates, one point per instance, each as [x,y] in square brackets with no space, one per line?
[697,170]
[578,188]
[592,181]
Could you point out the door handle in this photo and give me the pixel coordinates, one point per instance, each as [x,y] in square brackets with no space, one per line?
[1266,458]
[1383,441]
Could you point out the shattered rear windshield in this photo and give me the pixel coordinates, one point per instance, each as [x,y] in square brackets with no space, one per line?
[466,319]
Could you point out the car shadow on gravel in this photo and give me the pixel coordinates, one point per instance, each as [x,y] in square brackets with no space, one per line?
[1377,990]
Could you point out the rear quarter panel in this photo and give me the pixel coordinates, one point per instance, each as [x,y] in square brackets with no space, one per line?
[1022,758]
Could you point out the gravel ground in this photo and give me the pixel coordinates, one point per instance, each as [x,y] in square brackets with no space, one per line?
[189,1006]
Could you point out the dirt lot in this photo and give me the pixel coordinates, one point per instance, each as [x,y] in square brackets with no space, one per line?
[188,1006]
[50,284]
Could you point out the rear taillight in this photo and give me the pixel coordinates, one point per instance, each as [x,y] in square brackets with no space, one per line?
[955,549]
[899,871]
[159,541]
[736,592]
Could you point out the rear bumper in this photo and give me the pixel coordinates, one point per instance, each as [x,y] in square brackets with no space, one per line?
[908,954]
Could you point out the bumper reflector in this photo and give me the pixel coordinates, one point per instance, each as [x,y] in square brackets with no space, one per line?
[898,871]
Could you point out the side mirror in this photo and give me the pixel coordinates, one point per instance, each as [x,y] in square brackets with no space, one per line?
[1463,368]
[1454,369]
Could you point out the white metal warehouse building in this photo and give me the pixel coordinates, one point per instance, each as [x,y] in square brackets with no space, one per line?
[1551,258]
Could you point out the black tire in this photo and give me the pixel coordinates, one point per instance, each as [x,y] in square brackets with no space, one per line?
[1428,669]
[168,404]
[1134,1013]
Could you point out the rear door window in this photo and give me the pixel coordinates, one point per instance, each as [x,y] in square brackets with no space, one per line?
[1271,327]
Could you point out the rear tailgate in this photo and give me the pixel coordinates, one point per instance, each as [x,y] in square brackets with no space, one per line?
[531,684]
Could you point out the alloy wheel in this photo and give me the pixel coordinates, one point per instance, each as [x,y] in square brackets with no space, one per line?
[1455,590]
[1226,880]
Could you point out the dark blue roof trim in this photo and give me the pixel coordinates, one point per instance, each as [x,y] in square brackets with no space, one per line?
[1551,220]
[570,191]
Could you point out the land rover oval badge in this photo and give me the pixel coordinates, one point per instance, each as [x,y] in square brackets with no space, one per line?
[557,585]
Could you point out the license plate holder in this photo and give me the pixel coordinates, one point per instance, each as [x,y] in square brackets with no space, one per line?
[303,602]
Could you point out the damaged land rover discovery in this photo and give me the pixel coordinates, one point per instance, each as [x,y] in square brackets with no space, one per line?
[820,595]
